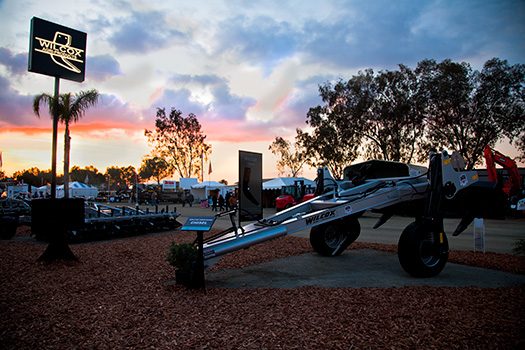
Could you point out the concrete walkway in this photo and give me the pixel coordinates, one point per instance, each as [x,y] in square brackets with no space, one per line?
[367,268]
[353,268]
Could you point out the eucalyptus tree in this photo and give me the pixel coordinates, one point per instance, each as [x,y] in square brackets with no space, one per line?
[179,141]
[291,157]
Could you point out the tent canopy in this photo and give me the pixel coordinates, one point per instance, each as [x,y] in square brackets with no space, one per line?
[77,189]
[76,184]
[278,183]
[209,184]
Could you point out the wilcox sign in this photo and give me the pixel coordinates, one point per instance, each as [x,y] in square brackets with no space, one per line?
[56,50]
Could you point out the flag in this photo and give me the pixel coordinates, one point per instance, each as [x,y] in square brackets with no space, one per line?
[209,170]
[86,179]
[0,159]
[136,178]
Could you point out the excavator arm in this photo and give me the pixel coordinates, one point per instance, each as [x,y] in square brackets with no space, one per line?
[493,157]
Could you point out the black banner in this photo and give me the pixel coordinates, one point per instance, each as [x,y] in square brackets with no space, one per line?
[250,186]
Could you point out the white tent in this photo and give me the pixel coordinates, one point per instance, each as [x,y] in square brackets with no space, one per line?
[77,189]
[40,191]
[202,190]
[278,183]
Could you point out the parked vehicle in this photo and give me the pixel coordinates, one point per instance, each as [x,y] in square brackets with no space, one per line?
[294,194]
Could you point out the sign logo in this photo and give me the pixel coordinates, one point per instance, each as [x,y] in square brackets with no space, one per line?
[319,217]
[61,51]
[56,50]
[463,180]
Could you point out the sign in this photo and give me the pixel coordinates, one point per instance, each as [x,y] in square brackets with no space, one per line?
[56,50]
[198,223]
[250,186]
[169,185]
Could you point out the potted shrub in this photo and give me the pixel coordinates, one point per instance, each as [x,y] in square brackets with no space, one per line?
[182,256]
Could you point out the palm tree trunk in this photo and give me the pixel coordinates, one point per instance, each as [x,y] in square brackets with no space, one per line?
[67,140]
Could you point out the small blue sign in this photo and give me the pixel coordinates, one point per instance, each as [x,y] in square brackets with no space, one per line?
[199,223]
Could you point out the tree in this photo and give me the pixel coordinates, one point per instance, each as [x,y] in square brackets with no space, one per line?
[325,149]
[89,173]
[396,122]
[467,110]
[70,109]
[154,167]
[402,115]
[500,97]
[289,160]
[179,141]
[33,176]
[121,177]
[380,113]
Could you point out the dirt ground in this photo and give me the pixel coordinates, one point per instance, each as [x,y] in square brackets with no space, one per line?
[118,296]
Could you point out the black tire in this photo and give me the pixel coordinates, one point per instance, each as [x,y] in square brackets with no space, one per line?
[421,252]
[332,238]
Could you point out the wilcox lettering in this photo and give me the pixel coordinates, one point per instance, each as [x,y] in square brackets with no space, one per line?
[318,217]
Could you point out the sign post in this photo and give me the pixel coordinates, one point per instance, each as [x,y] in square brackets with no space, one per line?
[59,52]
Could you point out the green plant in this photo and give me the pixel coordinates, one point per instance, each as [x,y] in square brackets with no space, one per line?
[519,247]
[182,255]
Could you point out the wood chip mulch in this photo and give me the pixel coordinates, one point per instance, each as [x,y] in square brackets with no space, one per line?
[116,297]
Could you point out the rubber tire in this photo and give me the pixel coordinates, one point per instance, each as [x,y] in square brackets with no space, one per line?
[326,237]
[415,253]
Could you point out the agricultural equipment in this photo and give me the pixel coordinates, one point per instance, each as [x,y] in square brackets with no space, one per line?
[13,212]
[294,194]
[332,215]
[94,221]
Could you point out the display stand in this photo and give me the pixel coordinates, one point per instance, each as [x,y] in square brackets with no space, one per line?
[200,224]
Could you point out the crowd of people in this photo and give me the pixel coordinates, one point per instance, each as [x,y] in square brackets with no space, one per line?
[220,203]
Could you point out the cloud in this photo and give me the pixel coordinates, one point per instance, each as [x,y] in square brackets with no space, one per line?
[259,41]
[102,67]
[382,34]
[15,63]
[16,110]
[215,101]
[140,33]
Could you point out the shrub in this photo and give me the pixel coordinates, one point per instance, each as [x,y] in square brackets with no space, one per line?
[182,255]
[519,247]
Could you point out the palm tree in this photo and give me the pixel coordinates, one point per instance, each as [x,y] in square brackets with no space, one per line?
[70,109]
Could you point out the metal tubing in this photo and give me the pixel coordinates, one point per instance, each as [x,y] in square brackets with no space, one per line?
[244,241]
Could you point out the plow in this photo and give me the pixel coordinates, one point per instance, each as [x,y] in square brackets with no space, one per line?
[332,216]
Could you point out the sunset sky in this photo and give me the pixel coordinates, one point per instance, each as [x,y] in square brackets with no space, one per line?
[249,70]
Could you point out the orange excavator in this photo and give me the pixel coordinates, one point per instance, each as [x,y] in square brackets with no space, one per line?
[513,186]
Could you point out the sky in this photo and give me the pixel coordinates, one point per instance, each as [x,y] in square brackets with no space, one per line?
[249,70]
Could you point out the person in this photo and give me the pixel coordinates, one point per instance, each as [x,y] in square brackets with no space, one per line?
[154,198]
[233,202]
[183,198]
[214,202]
[221,203]
[227,199]
[189,199]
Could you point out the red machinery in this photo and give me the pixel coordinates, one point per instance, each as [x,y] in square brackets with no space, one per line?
[294,194]
[514,184]
[513,187]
